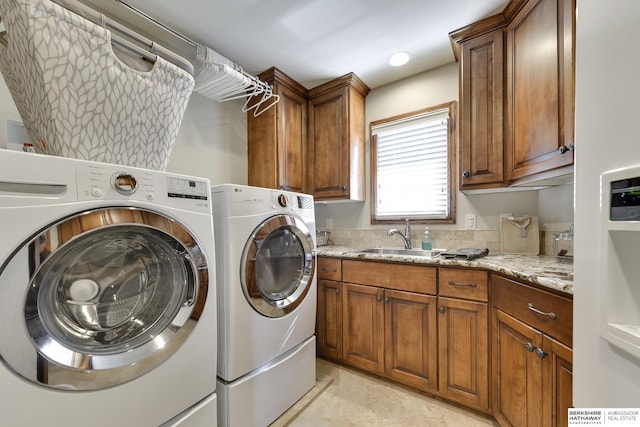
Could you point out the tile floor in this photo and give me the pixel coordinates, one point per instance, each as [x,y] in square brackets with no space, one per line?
[348,398]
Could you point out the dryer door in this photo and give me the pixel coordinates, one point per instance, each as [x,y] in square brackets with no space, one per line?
[278,265]
[105,296]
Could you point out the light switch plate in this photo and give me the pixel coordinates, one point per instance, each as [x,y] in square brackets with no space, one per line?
[470,222]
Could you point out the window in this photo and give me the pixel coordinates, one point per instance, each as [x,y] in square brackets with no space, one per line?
[411,166]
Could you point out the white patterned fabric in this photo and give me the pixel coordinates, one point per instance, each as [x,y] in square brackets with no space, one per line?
[77,99]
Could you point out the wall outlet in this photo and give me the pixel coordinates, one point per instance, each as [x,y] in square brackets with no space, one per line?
[329,222]
[470,222]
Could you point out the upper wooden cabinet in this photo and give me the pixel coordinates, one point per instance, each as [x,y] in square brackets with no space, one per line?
[540,89]
[337,139]
[277,138]
[516,94]
[481,110]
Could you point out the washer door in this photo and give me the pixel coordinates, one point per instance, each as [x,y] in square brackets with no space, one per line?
[278,264]
[111,294]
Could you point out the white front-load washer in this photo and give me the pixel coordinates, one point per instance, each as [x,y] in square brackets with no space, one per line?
[265,249]
[107,295]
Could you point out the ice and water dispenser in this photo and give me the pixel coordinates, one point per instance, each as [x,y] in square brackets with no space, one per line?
[620,269]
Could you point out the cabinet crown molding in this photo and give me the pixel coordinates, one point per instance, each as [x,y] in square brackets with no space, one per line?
[274,74]
[486,25]
[348,80]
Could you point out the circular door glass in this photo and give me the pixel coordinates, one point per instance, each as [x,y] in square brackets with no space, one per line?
[278,266]
[108,291]
[112,293]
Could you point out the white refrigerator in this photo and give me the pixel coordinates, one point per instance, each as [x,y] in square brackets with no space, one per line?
[606,262]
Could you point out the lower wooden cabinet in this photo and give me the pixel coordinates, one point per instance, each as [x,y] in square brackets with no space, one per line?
[411,355]
[363,327]
[532,371]
[432,332]
[329,319]
[392,333]
[463,343]
[558,395]
[518,372]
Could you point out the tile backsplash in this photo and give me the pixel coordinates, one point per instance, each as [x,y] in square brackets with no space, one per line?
[441,239]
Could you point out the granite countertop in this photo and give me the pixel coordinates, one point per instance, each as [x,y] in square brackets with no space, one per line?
[545,271]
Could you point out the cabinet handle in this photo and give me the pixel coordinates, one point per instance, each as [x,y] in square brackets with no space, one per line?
[462,285]
[386,300]
[441,309]
[332,270]
[337,291]
[564,149]
[551,315]
[466,174]
[540,353]
[343,188]
[378,298]
[530,347]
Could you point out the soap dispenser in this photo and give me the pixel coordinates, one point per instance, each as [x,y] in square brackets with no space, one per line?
[426,240]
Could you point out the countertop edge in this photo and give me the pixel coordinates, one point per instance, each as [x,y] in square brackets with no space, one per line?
[545,271]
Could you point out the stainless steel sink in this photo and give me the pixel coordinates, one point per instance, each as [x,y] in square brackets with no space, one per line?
[396,251]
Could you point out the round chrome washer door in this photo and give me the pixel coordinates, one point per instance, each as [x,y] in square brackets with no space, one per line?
[112,293]
[278,265]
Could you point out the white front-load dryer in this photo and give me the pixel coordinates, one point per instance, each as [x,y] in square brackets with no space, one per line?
[107,295]
[266,263]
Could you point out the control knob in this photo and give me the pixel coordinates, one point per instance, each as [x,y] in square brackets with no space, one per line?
[283,200]
[124,183]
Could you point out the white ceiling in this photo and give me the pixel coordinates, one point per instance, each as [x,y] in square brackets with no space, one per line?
[314,41]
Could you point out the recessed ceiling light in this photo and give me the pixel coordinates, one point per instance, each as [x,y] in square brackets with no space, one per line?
[400,58]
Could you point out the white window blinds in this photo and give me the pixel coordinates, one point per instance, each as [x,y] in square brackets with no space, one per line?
[412,167]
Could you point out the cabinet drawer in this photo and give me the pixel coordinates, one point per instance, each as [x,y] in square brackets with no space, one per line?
[547,312]
[467,284]
[330,269]
[403,277]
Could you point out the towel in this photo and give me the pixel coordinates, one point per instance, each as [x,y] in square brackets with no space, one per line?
[465,253]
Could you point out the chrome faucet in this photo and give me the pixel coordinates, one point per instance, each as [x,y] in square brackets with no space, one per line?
[406,238]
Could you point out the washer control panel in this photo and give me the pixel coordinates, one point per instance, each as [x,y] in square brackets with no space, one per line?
[110,182]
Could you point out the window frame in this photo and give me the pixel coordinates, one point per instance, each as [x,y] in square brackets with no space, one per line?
[451,165]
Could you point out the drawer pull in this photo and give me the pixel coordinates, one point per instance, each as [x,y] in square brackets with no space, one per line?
[462,285]
[331,270]
[530,347]
[551,315]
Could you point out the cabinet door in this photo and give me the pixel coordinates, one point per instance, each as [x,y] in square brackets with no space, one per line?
[518,372]
[292,156]
[329,144]
[277,140]
[329,319]
[540,87]
[558,393]
[363,321]
[481,110]
[463,341]
[410,339]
